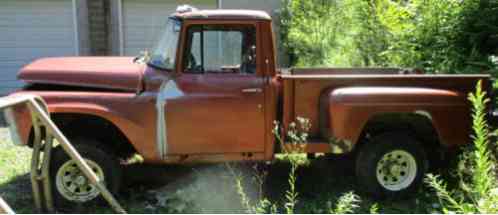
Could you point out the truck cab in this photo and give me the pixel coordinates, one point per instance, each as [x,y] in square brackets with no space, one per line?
[213,70]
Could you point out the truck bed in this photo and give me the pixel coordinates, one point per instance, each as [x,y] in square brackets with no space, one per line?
[304,88]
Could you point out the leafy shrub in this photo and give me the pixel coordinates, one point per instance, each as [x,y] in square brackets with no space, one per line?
[478,190]
[451,36]
[310,29]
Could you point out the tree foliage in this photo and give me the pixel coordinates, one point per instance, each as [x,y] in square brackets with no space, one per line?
[450,36]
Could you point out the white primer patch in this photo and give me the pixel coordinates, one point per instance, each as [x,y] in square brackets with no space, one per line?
[168,90]
[14,132]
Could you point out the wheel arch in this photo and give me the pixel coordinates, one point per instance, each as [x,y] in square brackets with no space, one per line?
[419,125]
[103,129]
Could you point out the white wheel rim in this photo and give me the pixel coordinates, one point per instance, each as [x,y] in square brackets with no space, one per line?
[396,170]
[72,184]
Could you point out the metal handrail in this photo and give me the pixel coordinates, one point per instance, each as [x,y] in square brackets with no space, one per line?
[5,208]
[44,132]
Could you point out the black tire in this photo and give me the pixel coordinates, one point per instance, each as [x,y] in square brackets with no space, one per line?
[107,162]
[396,182]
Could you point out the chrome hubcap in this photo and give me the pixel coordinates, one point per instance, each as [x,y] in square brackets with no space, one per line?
[73,185]
[396,170]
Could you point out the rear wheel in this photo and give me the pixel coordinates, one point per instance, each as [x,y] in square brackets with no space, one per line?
[391,165]
[70,186]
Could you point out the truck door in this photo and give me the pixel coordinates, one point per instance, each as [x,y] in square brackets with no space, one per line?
[221,109]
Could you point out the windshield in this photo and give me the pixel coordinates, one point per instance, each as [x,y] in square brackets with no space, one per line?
[164,53]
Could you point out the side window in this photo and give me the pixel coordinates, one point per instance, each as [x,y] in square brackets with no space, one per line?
[221,49]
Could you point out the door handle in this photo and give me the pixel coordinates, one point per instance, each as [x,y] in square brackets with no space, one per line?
[252,90]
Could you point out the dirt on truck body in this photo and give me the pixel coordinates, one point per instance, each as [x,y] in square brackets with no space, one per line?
[183,103]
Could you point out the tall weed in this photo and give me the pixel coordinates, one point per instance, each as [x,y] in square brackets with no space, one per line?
[292,149]
[347,203]
[478,190]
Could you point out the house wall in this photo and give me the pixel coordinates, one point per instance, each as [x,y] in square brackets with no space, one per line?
[33,29]
[105,27]
[97,27]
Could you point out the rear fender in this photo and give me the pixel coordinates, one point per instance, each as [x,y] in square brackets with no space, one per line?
[350,109]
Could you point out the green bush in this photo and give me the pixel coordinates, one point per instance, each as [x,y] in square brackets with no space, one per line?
[311,28]
[450,36]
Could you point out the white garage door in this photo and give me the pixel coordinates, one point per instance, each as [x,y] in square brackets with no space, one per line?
[31,29]
[144,19]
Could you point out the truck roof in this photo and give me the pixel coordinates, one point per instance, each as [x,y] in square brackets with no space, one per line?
[223,14]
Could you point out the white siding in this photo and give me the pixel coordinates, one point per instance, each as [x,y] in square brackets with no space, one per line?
[144,19]
[270,6]
[31,29]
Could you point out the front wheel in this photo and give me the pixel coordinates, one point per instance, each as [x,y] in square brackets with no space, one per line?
[391,165]
[70,186]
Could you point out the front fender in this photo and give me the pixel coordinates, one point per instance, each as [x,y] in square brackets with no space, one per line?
[23,118]
[123,110]
[349,110]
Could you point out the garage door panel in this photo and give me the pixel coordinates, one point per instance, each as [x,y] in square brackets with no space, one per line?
[10,84]
[35,12]
[55,44]
[161,5]
[14,84]
[8,90]
[142,36]
[41,12]
[41,21]
[40,4]
[26,37]
[143,21]
[135,44]
[9,73]
[35,44]
[130,51]
[12,65]
[9,32]
[23,54]
[138,46]
[32,29]
[139,23]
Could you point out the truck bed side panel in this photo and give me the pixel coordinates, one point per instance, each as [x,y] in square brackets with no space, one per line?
[302,93]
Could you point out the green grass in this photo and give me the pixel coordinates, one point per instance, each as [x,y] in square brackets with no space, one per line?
[15,186]
[212,189]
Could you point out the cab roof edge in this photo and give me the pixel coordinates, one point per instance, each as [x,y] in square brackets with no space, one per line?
[186,8]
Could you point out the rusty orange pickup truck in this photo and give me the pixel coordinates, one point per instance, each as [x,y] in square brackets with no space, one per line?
[211,91]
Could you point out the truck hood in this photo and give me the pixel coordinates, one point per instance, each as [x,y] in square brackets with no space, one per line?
[118,73]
